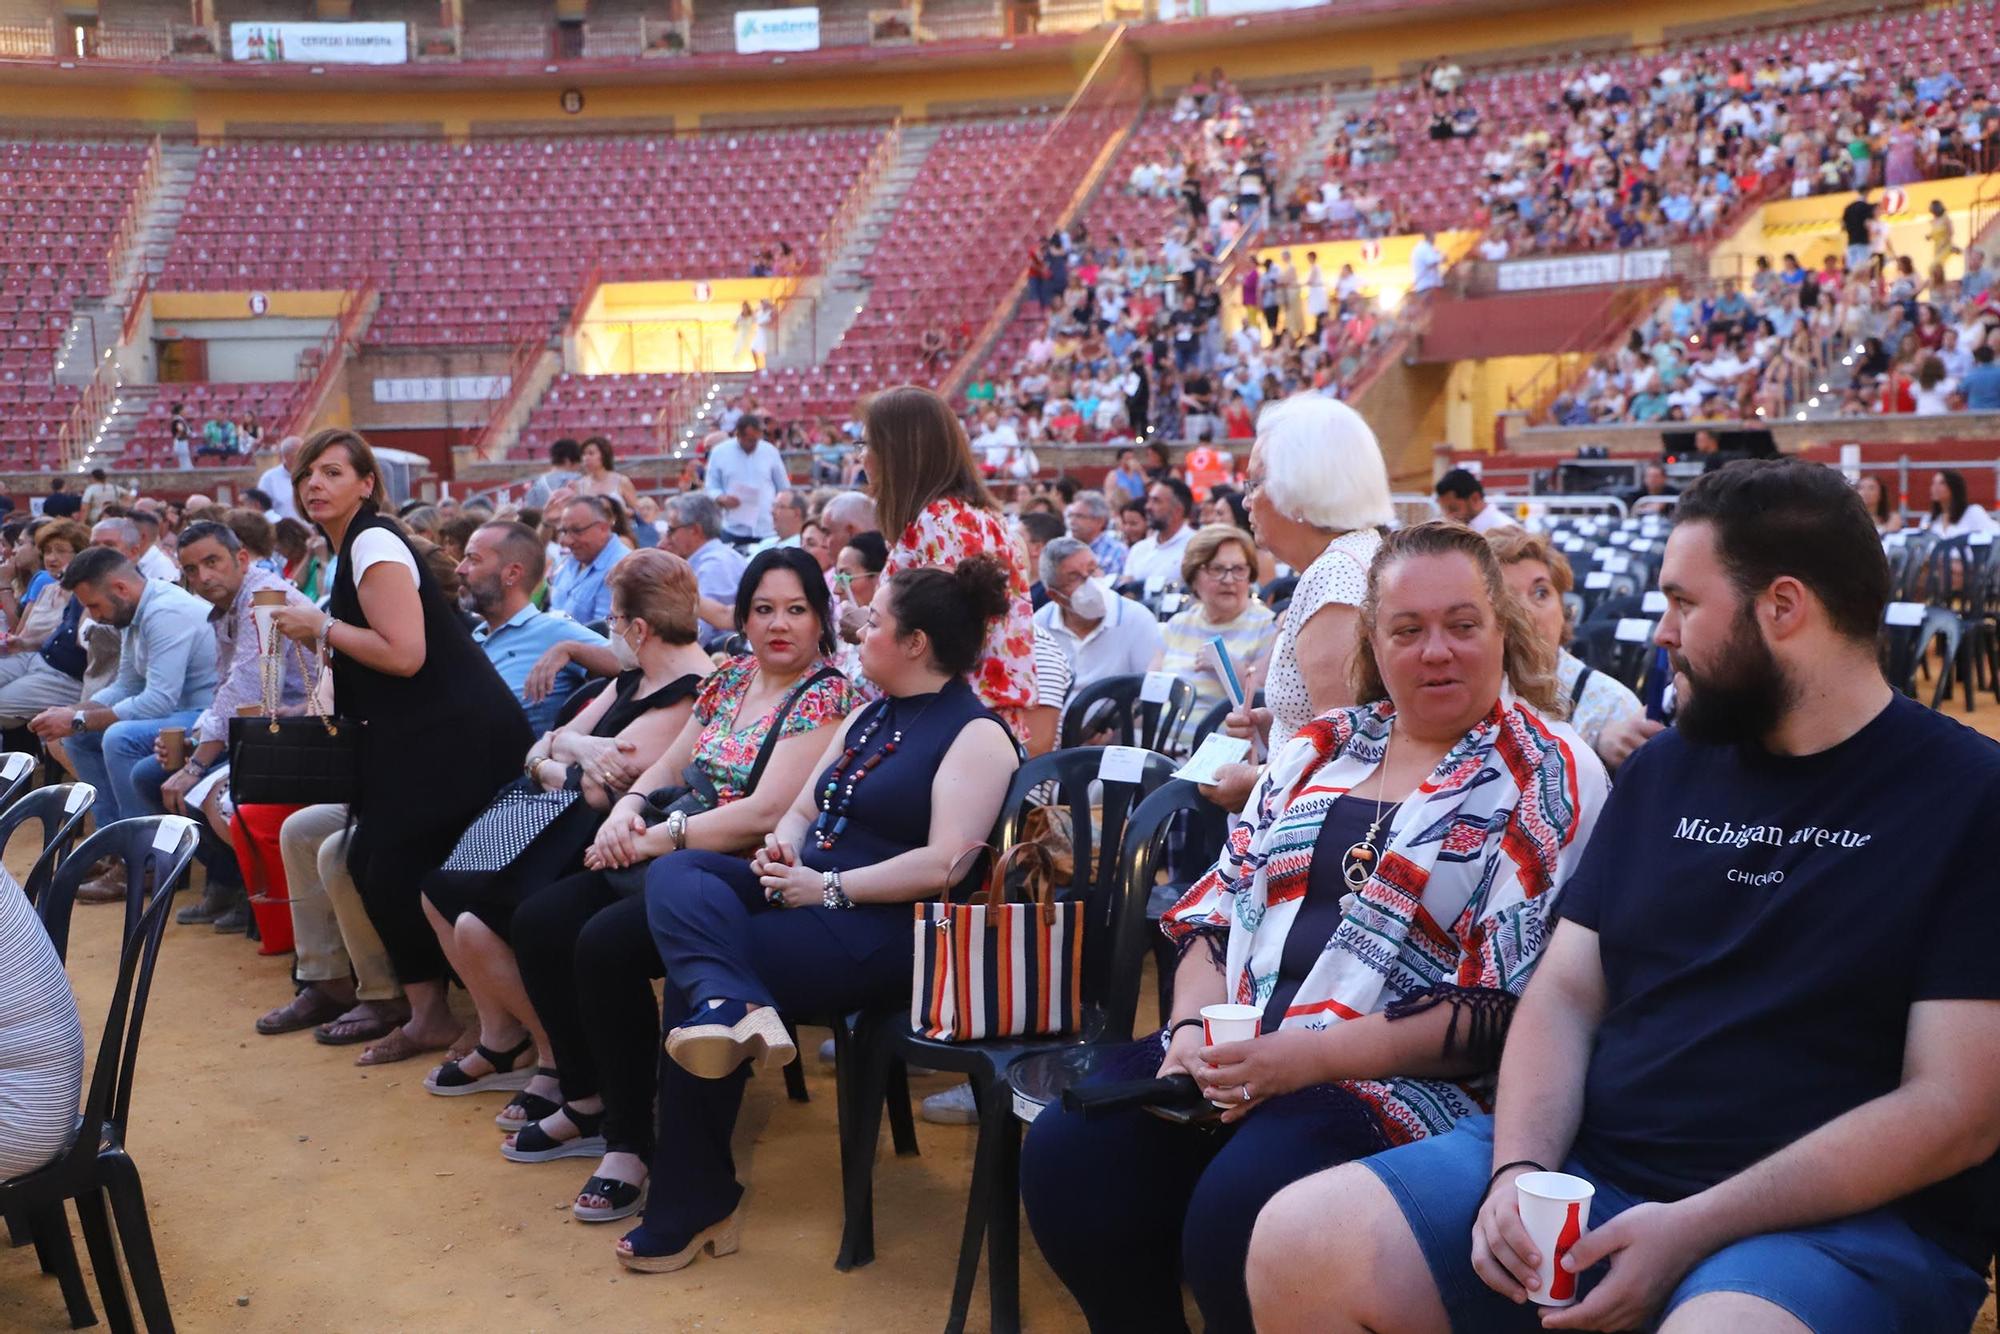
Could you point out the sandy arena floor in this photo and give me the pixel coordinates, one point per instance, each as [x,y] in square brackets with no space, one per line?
[290,1191]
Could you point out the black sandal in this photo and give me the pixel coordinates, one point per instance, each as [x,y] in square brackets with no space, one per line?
[625,1199]
[525,1108]
[450,1080]
[532,1144]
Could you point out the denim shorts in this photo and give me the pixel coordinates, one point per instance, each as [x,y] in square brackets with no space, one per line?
[1869,1274]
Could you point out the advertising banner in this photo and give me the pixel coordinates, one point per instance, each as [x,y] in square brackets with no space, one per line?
[776,30]
[321,43]
[1623,266]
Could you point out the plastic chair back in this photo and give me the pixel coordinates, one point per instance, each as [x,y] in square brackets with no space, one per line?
[17,773]
[1140,857]
[157,850]
[61,811]
[1597,643]
[1073,775]
[1113,702]
[1903,648]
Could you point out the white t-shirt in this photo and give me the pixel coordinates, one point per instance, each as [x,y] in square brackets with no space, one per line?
[1338,576]
[377,545]
[277,484]
[1490,518]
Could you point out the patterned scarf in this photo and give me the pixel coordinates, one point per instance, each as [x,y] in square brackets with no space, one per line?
[1463,894]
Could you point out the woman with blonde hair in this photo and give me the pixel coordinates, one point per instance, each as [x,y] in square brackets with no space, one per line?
[1381,905]
[1607,715]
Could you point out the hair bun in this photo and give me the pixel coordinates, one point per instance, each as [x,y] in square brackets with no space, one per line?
[982,582]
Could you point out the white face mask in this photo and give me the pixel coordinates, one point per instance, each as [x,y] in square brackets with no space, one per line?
[628,657]
[1091,600]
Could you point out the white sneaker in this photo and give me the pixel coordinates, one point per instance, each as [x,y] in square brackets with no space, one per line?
[953,1107]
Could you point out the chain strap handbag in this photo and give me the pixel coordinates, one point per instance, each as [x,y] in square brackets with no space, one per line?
[991,968]
[293,761]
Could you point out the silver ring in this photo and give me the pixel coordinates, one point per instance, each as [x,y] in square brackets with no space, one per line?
[1246,1093]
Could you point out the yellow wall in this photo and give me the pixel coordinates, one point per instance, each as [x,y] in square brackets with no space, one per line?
[664,328]
[1810,227]
[166,104]
[169,307]
[1385,277]
[1476,393]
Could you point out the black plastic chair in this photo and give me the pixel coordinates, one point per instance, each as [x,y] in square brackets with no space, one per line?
[1597,643]
[61,810]
[1212,720]
[1904,649]
[1113,905]
[1113,703]
[157,851]
[17,775]
[1035,1081]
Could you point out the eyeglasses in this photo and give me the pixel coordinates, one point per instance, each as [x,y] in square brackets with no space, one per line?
[616,623]
[567,531]
[1228,574]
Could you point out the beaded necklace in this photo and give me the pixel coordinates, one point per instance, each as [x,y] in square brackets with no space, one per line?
[837,797]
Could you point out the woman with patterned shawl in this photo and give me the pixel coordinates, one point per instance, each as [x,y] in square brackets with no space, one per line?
[1382,903]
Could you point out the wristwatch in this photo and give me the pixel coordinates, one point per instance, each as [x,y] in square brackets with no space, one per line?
[677,829]
[76,722]
[194,766]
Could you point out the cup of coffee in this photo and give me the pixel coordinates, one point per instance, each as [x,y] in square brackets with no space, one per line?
[1555,1208]
[262,603]
[174,746]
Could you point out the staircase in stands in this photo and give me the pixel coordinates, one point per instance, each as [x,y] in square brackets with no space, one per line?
[828,304]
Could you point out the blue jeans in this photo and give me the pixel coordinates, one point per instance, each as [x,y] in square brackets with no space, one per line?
[1861,1275]
[106,759]
[216,856]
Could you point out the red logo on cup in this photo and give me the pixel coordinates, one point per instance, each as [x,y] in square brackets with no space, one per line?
[1562,1284]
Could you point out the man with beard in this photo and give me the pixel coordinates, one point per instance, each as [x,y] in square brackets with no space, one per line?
[1764,1028]
[166,677]
[1155,562]
[502,567]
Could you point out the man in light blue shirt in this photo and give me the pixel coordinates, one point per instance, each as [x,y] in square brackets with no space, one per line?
[745,475]
[502,566]
[694,533]
[578,588]
[1089,517]
[166,676]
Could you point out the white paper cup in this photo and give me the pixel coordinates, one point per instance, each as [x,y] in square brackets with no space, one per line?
[1229,1023]
[1555,1208]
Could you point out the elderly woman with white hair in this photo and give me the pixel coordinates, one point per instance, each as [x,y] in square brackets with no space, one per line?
[1319,501]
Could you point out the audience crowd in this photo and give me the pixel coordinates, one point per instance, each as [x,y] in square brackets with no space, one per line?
[725,749]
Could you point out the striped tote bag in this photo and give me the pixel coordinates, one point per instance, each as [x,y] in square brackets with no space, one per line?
[991,968]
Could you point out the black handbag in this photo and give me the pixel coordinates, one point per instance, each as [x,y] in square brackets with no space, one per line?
[697,791]
[307,761]
[519,816]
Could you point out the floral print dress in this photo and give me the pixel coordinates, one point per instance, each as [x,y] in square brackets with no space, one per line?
[728,745]
[948,532]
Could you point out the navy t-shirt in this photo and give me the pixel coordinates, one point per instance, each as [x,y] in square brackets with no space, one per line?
[1765,924]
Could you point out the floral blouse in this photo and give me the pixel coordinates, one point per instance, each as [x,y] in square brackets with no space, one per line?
[950,531]
[728,746]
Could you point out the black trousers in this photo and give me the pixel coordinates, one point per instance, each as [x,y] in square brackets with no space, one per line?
[1180,1200]
[588,963]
